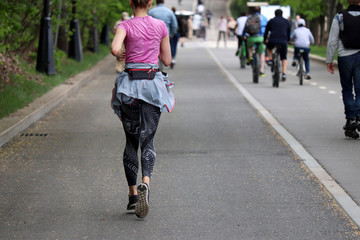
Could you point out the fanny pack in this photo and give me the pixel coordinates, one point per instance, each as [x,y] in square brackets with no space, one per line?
[138,74]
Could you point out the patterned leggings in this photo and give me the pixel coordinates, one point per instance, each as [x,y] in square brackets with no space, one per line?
[140,121]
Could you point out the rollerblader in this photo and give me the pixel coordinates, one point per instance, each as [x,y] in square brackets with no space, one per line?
[345,37]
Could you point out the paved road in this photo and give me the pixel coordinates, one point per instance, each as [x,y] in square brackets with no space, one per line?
[221,171]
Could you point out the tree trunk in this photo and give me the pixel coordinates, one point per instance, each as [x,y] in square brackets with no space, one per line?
[314,28]
[322,30]
[331,11]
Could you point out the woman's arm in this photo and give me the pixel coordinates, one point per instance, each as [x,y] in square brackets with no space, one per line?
[165,52]
[117,42]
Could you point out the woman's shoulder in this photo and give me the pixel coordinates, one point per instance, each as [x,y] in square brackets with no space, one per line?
[156,21]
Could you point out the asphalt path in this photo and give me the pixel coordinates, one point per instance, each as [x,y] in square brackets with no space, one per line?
[221,171]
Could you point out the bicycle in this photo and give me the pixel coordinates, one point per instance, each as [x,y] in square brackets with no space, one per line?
[256,64]
[275,68]
[301,71]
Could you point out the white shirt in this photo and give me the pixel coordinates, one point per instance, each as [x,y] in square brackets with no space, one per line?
[240,25]
[302,37]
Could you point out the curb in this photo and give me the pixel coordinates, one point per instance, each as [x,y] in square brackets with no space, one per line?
[16,122]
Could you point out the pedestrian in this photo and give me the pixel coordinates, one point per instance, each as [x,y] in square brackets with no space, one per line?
[196,25]
[231,28]
[222,27]
[190,27]
[203,26]
[302,38]
[344,38]
[184,29]
[174,39]
[141,93]
[165,14]
[208,16]
[119,65]
[200,8]
[279,30]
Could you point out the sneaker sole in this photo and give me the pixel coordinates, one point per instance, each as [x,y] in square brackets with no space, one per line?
[142,206]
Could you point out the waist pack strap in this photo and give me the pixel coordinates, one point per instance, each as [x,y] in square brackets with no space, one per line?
[141,73]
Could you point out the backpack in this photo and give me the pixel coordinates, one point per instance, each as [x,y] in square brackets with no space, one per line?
[350,35]
[252,25]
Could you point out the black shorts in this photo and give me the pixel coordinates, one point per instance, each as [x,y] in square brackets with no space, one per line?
[283,49]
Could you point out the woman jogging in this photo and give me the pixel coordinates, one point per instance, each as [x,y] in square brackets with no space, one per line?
[141,93]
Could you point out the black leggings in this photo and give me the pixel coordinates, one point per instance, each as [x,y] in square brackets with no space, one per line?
[140,121]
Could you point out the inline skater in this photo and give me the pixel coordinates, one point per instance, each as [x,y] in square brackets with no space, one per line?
[345,37]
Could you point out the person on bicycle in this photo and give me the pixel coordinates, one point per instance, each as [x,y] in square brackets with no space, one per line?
[254,34]
[344,38]
[240,25]
[279,29]
[302,38]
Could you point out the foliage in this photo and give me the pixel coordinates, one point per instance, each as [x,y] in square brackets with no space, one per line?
[20,23]
[20,19]
[26,85]
[17,24]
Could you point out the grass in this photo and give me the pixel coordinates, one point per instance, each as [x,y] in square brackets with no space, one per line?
[25,88]
[317,50]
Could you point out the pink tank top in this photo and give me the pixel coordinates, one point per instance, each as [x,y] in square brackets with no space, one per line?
[143,37]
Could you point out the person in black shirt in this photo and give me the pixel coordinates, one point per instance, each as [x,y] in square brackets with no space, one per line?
[279,29]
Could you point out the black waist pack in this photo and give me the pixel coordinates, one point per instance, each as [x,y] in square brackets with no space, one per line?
[138,74]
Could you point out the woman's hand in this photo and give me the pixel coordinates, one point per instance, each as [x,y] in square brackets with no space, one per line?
[121,56]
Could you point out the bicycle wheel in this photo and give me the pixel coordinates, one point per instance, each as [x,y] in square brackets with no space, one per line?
[256,68]
[276,74]
[301,70]
[242,57]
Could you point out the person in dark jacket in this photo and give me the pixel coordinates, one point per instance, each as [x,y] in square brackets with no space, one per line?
[279,29]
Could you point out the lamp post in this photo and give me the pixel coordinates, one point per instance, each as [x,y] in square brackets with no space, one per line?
[45,61]
[75,47]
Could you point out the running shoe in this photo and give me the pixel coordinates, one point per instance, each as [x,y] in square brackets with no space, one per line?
[293,64]
[132,202]
[283,77]
[142,206]
[269,63]
[262,74]
[308,77]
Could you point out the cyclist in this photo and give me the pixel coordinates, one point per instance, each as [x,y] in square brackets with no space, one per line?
[279,29]
[254,34]
[302,39]
[240,25]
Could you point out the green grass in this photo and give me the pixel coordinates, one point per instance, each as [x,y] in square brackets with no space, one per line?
[25,89]
[317,50]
